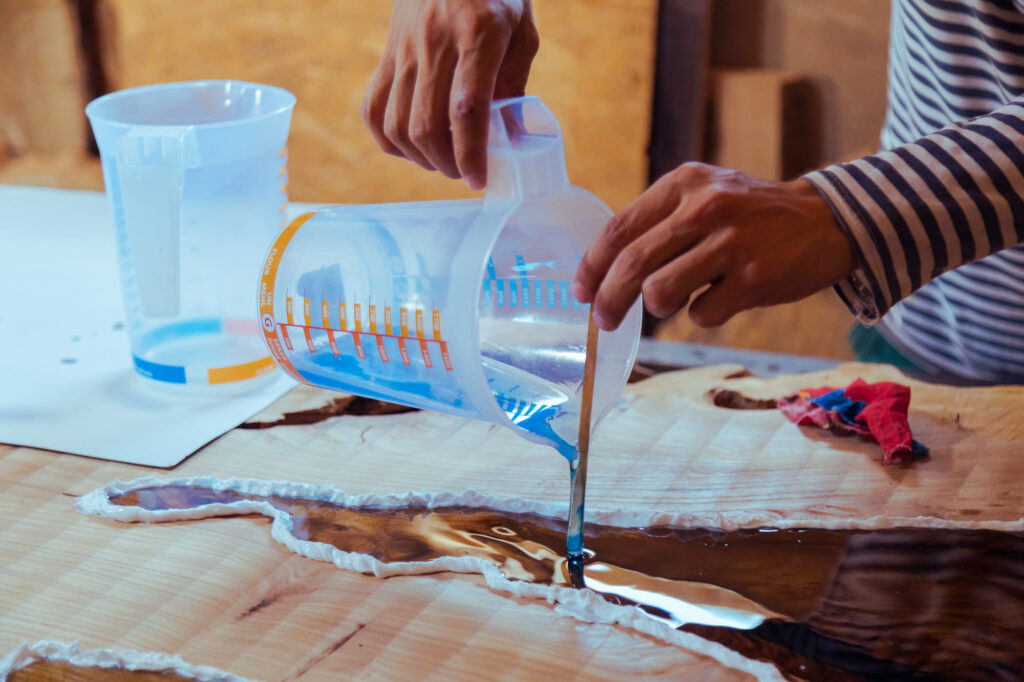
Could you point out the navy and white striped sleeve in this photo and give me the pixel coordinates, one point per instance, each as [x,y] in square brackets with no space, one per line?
[928,206]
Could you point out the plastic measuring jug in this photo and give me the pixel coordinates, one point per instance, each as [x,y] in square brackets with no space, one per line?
[196,178]
[462,307]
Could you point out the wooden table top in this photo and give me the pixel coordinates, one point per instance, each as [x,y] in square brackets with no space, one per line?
[192,588]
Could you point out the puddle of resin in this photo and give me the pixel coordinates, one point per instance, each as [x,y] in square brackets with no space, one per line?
[913,604]
[59,671]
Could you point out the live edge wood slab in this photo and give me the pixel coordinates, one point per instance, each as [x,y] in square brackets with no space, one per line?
[222,593]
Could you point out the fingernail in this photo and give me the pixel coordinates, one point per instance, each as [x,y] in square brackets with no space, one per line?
[476,181]
[580,293]
[601,322]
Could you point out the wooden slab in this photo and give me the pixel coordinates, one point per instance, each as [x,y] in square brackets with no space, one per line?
[222,593]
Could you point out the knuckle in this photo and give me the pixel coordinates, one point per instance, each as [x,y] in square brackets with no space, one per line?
[482,20]
[717,201]
[729,237]
[617,232]
[631,261]
[465,106]
[754,275]
[691,170]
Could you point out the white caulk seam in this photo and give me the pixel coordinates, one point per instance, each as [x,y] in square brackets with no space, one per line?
[97,502]
[70,653]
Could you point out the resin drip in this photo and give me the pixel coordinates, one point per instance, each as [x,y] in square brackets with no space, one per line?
[913,604]
[59,671]
[575,559]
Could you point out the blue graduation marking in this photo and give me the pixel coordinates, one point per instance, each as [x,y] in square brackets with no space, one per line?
[513,293]
[170,373]
[565,294]
[499,284]
[552,285]
[521,267]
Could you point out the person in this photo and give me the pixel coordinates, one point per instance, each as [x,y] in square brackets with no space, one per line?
[920,240]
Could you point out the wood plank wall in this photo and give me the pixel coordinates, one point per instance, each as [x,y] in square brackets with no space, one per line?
[594,71]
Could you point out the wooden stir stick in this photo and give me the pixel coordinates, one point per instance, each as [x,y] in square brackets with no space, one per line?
[578,468]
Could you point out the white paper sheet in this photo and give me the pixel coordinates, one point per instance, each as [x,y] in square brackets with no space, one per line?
[66,377]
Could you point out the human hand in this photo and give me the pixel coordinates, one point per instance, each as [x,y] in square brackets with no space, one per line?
[445,60]
[755,242]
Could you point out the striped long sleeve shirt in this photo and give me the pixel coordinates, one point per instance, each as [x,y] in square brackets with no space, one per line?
[937,218]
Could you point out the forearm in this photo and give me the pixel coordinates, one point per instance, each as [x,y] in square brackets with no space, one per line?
[926,207]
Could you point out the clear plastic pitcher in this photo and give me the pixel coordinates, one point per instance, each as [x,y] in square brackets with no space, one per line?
[197,182]
[462,307]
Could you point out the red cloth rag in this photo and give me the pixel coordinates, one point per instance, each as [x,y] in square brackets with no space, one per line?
[884,416]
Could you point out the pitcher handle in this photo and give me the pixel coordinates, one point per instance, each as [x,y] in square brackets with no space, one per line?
[525,154]
[151,163]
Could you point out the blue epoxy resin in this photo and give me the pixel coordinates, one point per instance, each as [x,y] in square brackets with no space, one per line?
[574,531]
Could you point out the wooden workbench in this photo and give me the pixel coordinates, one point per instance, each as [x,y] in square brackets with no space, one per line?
[222,593]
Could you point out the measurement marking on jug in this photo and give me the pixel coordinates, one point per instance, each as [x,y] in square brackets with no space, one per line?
[403,317]
[523,281]
[525,293]
[525,289]
[334,343]
[389,332]
[309,323]
[397,337]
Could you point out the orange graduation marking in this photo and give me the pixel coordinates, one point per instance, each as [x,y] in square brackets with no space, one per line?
[248,370]
[403,350]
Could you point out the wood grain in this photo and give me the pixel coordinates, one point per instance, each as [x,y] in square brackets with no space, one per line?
[42,89]
[594,71]
[222,593]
